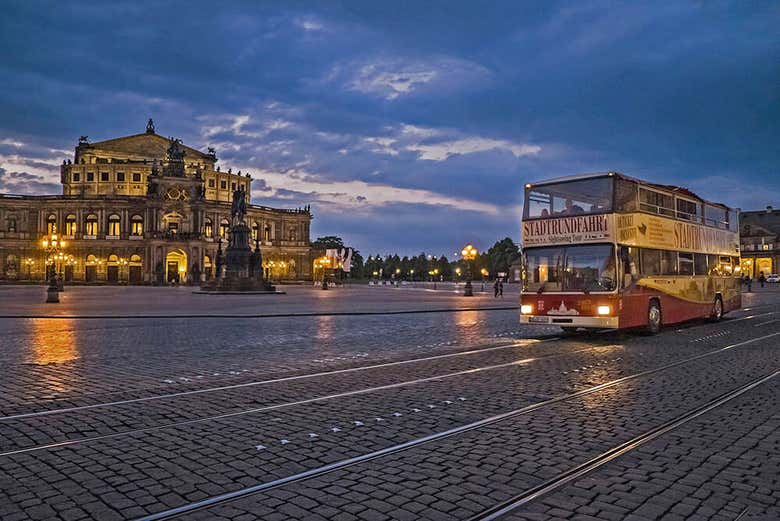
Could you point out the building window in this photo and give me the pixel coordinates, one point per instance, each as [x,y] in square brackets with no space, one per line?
[173,227]
[254,231]
[267,233]
[76,177]
[90,176]
[12,225]
[224,228]
[120,176]
[70,225]
[211,183]
[208,228]
[233,186]
[104,176]
[91,225]
[113,225]
[51,224]
[223,185]
[136,178]
[137,225]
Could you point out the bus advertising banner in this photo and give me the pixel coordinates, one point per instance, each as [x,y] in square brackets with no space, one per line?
[574,229]
[633,229]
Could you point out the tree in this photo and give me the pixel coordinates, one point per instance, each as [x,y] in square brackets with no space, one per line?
[501,255]
[328,242]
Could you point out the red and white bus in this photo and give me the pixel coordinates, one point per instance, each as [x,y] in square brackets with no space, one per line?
[609,251]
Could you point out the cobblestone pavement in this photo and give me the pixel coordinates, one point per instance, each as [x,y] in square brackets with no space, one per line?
[125,418]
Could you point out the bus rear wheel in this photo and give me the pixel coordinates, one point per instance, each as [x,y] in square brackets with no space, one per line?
[654,318]
[717,309]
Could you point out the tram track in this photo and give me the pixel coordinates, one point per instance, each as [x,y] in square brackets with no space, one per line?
[555,483]
[479,424]
[317,399]
[293,403]
[319,374]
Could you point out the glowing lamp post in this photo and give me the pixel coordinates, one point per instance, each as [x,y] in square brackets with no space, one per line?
[52,245]
[469,253]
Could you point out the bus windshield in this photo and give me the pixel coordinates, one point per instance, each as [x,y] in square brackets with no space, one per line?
[585,196]
[570,268]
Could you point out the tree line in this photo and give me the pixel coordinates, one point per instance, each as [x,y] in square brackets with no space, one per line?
[488,264]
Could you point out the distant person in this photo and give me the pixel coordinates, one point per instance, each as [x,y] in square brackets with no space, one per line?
[545,213]
[495,289]
[572,209]
[501,288]
[749,283]
[762,279]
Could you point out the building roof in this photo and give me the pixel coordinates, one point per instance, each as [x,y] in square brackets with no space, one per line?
[147,145]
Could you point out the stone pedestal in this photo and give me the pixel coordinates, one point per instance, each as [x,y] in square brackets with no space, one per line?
[242,270]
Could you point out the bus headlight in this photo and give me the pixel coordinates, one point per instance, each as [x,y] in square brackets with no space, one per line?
[603,310]
[526,309]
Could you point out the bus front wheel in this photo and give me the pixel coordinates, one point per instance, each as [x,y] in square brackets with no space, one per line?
[654,319]
[717,309]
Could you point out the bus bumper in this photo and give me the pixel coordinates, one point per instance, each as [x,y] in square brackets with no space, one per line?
[585,322]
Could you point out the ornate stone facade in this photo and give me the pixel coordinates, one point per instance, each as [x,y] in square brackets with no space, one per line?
[760,242]
[145,209]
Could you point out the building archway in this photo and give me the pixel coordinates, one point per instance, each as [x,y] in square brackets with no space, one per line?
[112,269]
[176,266]
[135,271]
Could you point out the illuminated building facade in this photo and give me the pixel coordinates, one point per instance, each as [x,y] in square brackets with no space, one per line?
[145,209]
[760,242]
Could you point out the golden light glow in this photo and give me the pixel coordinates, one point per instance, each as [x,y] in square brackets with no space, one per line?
[526,309]
[469,252]
[603,310]
[484,272]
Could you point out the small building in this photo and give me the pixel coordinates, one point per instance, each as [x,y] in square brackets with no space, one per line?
[760,242]
[144,209]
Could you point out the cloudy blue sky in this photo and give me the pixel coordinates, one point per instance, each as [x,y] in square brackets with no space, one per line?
[407,126]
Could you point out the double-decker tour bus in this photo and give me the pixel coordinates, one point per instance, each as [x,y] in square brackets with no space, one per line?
[609,251]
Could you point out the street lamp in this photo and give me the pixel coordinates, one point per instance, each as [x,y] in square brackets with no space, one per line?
[484,273]
[29,262]
[469,253]
[52,245]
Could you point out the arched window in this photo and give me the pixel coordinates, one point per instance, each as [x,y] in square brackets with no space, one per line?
[91,225]
[224,228]
[267,233]
[51,224]
[292,233]
[113,260]
[135,260]
[254,231]
[113,225]
[91,260]
[206,261]
[136,225]
[70,225]
[208,228]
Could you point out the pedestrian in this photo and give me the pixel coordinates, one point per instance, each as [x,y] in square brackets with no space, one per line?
[501,288]
[749,283]
[495,289]
[762,279]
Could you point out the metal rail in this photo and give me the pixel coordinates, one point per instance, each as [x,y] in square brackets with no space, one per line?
[570,475]
[340,465]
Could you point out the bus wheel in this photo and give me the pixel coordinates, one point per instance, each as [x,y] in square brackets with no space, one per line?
[654,317]
[717,309]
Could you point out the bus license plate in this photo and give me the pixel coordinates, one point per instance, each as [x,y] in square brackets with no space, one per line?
[540,320]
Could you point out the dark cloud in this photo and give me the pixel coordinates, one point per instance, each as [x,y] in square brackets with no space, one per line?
[436,96]
[23,183]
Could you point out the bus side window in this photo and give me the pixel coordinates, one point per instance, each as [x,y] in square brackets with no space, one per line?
[629,260]
[700,264]
[725,266]
[712,262]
